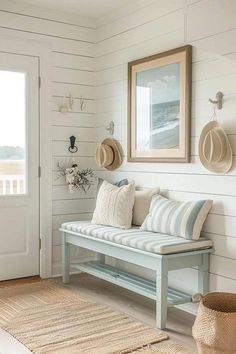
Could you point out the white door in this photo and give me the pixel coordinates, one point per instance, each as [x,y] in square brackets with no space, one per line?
[19,161]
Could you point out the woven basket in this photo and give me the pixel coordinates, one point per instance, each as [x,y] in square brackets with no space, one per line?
[214,329]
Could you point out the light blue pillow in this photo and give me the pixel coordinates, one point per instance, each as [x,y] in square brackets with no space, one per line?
[183,219]
[120,183]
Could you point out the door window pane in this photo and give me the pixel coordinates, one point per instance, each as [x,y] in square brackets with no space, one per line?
[12,132]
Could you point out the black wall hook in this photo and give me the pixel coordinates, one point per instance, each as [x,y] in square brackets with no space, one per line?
[72,148]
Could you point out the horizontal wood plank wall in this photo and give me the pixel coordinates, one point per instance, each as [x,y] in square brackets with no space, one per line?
[160,26]
[154,27]
[72,42]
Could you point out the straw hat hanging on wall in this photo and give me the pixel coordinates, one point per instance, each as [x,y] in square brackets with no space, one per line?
[214,148]
[108,154]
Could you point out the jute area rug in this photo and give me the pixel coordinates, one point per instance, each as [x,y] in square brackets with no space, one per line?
[48,318]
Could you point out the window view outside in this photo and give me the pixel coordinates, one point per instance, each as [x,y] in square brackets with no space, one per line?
[12,132]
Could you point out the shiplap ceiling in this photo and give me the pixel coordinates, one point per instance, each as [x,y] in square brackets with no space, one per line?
[88,8]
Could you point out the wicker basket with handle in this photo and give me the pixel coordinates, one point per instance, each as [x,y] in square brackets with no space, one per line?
[214,329]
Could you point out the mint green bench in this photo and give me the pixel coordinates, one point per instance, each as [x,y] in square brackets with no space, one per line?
[158,252]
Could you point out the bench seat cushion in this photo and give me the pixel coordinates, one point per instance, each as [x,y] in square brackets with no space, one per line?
[135,238]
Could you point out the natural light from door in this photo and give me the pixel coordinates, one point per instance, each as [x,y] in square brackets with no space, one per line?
[12,132]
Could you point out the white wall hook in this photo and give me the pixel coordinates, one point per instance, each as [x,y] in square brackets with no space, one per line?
[63,106]
[110,128]
[218,102]
[67,104]
[71,102]
[83,103]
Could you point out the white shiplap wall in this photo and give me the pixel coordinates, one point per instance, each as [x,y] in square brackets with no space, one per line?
[159,26]
[72,54]
[154,26]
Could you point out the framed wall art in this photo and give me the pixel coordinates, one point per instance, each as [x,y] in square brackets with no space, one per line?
[159,107]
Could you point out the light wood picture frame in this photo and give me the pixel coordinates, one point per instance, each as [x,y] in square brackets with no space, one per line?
[159,107]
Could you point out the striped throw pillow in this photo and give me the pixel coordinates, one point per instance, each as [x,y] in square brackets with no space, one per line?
[183,219]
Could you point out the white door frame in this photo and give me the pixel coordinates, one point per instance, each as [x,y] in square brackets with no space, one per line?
[42,51]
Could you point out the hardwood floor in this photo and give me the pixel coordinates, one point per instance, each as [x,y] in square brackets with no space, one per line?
[19,281]
[179,323]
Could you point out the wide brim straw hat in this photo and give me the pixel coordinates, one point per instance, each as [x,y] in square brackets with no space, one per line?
[215,151]
[108,154]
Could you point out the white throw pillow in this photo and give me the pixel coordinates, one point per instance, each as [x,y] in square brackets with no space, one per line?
[183,219]
[142,201]
[114,205]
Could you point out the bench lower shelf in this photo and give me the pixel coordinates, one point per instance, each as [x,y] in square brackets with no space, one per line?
[131,282]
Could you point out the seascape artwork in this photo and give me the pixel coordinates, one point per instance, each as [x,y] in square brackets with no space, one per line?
[158,108]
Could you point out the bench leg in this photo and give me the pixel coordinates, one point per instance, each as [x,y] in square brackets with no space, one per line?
[101,258]
[65,261]
[203,274]
[161,295]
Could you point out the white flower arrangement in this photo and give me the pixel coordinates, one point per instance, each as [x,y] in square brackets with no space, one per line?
[77,179]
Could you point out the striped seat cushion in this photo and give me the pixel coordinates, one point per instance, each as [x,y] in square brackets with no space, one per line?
[136,238]
[181,219]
